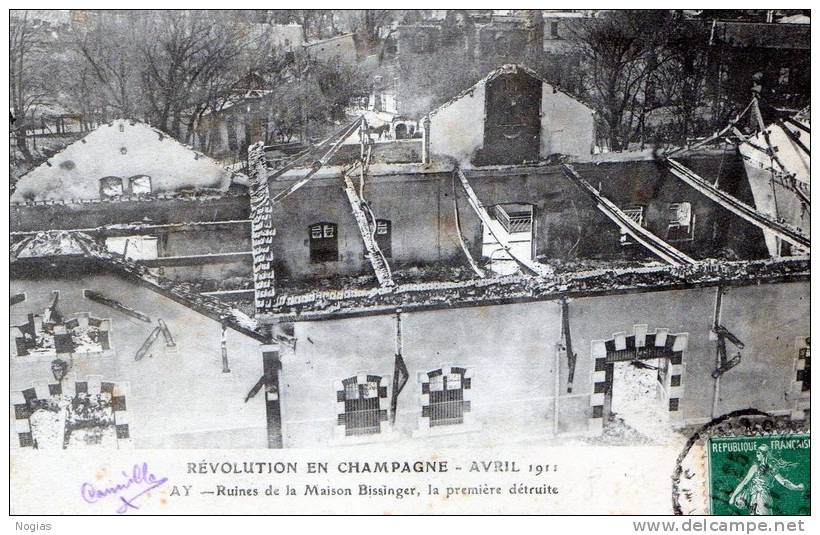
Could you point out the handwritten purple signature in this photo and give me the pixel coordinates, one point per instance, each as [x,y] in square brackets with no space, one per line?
[140,480]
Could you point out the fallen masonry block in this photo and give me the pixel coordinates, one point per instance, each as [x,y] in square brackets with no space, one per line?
[116,305]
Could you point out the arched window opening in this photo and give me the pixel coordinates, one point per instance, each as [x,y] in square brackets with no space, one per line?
[361,397]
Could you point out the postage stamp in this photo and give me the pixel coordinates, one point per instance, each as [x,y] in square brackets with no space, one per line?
[759,475]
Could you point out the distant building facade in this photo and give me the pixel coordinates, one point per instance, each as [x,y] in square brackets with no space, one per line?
[146,196]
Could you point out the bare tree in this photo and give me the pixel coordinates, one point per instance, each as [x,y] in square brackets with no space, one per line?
[185,55]
[621,52]
[106,77]
[29,77]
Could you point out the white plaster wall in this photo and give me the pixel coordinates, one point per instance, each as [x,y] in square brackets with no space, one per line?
[567,125]
[768,319]
[509,350]
[176,399]
[75,172]
[457,129]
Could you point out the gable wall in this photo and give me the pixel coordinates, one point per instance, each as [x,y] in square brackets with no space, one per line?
[75,172]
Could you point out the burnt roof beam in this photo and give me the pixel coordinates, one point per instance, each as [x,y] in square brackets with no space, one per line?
[318,164]
[653,243]
[367,230]
[525,264]
[759,219]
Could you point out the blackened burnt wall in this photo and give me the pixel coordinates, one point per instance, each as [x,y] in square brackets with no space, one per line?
[568,225]
[512,127]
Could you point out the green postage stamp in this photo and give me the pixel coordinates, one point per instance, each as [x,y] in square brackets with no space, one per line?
[759,475]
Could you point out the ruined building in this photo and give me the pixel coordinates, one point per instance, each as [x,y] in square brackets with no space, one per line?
[147,196]
[490,280]
[501,277]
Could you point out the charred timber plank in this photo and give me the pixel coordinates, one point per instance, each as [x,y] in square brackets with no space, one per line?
[472,199]
[146,345]
[116,305]
[741,209]
[318,164]
[302,156]
[798,124]
[457,218]
[795,138]
[196,260]
[374,254]
[649,240]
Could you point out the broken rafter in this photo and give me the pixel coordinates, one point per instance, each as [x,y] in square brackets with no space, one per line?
[649,240]
[753,216]
[117,229]
[146,345]
[92,251]
[478,271]
[166,333]
[318,164]
[772,151]
[789,179]
[745,139]
[795,139]
[798,124]
[301,157]
[730,126]
[374,254]
[116,305]
[472,199]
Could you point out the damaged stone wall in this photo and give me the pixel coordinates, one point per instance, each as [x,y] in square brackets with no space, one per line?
[568,226]
[186,420]
[128,217]
[516,398]
[457,128]
[650,184]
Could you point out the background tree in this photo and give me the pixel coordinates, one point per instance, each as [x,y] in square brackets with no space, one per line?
[105,79]
[31,74]
[184,54]
[621,53]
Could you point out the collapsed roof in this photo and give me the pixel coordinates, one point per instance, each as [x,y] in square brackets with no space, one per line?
[64,246]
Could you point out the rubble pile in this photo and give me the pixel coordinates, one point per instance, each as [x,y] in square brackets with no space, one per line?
[205,194]
[84,420]
[511,288]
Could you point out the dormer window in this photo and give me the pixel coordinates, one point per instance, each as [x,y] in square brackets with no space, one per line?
[111,187]
[140,185]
